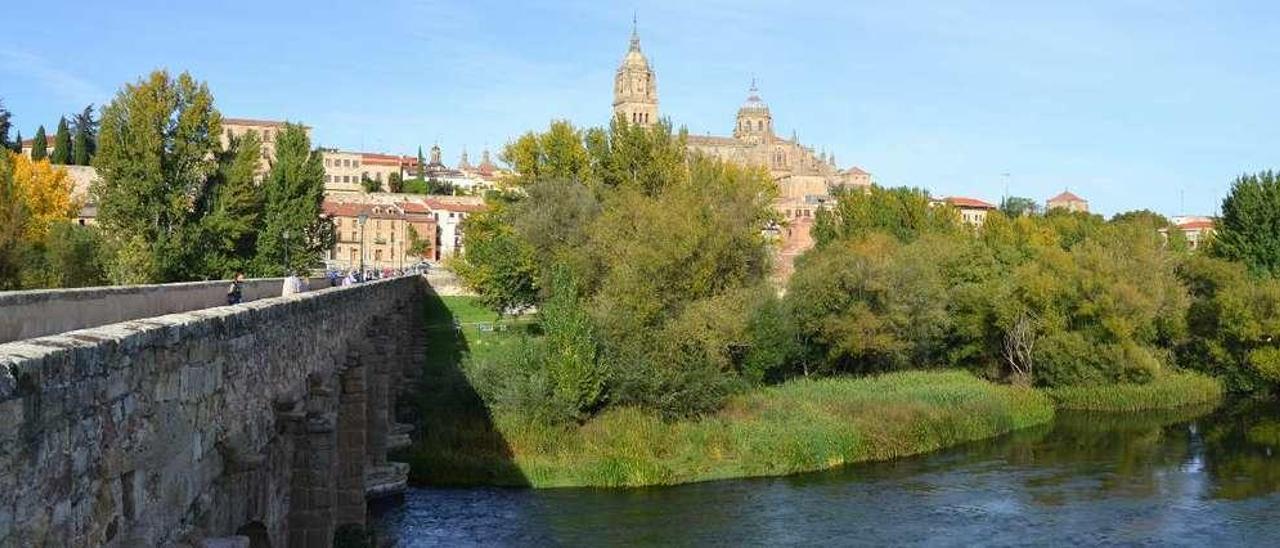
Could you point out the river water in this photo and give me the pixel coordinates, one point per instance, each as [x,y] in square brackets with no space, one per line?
[1187,478]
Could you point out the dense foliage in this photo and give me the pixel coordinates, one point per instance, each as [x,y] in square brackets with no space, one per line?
[644,266]
[1249,231]
[175,206]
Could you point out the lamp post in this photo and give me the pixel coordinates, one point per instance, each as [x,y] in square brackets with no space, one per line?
[362,218]
[285,235]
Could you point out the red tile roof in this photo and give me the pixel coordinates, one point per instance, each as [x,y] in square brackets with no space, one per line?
[1198,224]
[971,203]
[1066,196]
[381,159]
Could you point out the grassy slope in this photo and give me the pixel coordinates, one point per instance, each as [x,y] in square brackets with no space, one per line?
[1168,391]
[796,427]
[799,426]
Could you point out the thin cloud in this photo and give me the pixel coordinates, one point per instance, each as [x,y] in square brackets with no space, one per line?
[59,82]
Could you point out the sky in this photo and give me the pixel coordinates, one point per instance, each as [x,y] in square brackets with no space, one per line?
[1131,104]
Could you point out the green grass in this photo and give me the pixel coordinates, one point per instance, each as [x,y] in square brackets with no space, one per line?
[1168,391]
[804,425]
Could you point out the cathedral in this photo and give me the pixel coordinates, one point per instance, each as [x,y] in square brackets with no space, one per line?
[805,178]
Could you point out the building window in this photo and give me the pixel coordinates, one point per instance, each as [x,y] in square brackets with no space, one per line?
[377,255]
[759,126]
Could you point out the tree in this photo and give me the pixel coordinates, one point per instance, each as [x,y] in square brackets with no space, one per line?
[1017,206]
[422,163]
[13,221]
[233,210]
[5,124]
[370,185]
[904,213]
[293,226]
[17,144]
[74,256]
[85,140]
[497,263]
[40,145]
[1145,217]
[157,151]
[395,183]
[418,246]
[62,144]
[1249,230]
[45,192]
[572,356]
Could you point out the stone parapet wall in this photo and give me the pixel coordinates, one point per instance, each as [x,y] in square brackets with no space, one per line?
[254,420]
[28,314]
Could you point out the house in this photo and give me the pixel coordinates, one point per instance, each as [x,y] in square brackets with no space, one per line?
[1067,201]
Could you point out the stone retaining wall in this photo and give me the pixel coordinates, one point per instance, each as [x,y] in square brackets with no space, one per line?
[28,314]
[261,419]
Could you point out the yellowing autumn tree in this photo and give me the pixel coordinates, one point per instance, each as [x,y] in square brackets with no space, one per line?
[45,191]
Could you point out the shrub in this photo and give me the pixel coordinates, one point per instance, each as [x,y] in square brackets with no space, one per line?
[1166,391]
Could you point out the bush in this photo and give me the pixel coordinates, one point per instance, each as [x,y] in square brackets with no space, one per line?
[1166,391]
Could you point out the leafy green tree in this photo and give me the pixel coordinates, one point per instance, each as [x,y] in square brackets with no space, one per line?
[232,210]
[422,163]
[74,256]
[559,153]
[5,125]
[497,263]
[85,136]
[1017,206]
[1145,217]
[395,183]
[370,185]
[40,145]
[13,222]
[62,144]
[1249,230]
[294,191]
[1232,321]
[17,144]
[904,213]
[157,151]
[572,355]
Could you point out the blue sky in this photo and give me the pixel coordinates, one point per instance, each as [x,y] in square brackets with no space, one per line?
[1130,103]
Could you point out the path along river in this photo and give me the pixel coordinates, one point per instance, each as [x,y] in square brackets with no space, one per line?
[1192,478]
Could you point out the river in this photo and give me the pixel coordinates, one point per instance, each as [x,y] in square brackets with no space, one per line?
[1187,478]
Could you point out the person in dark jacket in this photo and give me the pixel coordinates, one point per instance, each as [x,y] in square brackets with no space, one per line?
[235,293]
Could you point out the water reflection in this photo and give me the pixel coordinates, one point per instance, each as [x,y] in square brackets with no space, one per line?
[1191,477]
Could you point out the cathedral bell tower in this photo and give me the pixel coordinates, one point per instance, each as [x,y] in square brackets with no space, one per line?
[755,124]
[635,87]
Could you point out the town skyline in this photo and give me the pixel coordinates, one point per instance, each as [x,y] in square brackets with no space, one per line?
[468,76]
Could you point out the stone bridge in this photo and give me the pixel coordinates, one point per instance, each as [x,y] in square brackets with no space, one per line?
[261,424]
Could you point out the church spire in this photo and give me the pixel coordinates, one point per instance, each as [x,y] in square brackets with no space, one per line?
[635,34]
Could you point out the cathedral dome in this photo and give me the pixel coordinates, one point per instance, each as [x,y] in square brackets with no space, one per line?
[754,102]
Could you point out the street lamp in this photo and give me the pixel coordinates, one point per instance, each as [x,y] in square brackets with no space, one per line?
[286,251]
[362,218]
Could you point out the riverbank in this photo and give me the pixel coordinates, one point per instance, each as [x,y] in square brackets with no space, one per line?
[799,426]
[1168,391]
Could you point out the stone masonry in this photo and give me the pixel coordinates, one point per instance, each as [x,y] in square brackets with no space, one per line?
[261,424]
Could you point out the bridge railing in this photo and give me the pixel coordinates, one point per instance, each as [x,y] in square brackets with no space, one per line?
[30,314]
